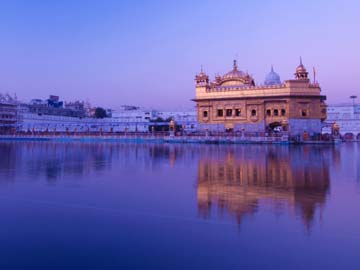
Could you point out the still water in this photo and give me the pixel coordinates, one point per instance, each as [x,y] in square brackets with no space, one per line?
[119,206]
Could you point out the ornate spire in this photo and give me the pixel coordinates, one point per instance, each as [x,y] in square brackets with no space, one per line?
[235,65]
[202,77]
[301,73]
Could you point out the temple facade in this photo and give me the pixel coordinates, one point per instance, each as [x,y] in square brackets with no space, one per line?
[233,102]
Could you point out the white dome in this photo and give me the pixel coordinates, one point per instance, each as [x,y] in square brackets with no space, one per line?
[272,78]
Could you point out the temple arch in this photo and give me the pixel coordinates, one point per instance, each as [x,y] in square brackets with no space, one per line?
[349,136]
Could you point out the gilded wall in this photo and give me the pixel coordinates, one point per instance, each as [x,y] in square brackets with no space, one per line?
[234,100]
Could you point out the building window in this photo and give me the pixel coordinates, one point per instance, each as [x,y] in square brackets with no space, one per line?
[303,113]
[237,112]
[283,112]
[220,113]
[228,112]
[268,112]
[205,114]
[253,112]
[276,112]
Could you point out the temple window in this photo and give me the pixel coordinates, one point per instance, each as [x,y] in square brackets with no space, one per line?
[237,112]
[253,112]
[268,112]
[220,113]
[303,113]
[276,112]
[205,114]
[283,112]
[228,112]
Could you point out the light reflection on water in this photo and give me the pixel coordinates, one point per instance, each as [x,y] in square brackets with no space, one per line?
[174,195]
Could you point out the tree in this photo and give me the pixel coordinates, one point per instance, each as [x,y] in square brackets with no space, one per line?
[100,112]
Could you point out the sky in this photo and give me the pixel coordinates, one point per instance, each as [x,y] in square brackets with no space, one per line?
[147,53]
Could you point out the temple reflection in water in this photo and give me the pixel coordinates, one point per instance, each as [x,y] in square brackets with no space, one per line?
[238,181]
[232,180]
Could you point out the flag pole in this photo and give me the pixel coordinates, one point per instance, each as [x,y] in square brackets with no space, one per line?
[314,75]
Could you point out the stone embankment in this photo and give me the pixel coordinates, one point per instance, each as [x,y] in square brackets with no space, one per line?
[166,139]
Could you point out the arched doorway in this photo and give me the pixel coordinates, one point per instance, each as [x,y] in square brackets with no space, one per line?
[348,136]
[325,137]
[229,127]
[275,127]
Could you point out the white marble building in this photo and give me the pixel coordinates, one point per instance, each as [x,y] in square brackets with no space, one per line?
[127,119]
[347,116]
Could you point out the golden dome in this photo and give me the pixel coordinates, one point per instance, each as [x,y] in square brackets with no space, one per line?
[300,68]
[234,73]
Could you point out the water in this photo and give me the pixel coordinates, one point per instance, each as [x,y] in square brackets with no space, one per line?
[119,206]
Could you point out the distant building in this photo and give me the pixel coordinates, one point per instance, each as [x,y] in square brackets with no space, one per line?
[186,119]
[347,117]
[29,122]
[234,102]
[8,113]
[53,106]
[75,106]
[53,115]
[41,116]
[133,116]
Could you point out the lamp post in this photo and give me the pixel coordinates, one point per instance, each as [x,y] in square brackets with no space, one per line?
[353,99]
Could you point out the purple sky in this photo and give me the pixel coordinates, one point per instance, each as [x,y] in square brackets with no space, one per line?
[147,52]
